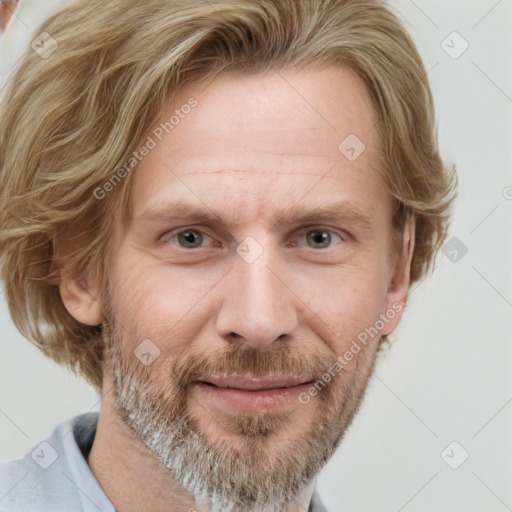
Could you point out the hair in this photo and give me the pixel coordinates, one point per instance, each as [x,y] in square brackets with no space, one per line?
[69,120]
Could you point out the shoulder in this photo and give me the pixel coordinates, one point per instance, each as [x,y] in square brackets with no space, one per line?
[316,504]
[42,480]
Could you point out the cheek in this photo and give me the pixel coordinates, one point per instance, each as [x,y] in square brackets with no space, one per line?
[153,300]
[345,303]
[156,302]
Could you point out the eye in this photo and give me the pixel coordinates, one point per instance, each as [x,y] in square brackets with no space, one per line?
[189,238]
[320,238]
[192,238]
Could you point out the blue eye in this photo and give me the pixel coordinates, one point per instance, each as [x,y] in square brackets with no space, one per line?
[194,238]
[190,238]
[320,238]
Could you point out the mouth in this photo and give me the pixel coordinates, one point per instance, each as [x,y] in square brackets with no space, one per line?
[251,383]
[251,394]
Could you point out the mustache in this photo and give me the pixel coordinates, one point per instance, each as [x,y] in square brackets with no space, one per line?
[238,360]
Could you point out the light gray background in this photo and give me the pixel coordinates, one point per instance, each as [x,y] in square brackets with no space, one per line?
[447,377]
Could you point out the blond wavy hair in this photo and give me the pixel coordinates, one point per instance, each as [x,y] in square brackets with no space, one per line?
[71,119]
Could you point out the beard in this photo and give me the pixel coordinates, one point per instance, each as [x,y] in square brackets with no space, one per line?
[253,465]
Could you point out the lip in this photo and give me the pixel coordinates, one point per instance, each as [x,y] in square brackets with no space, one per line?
[252,383]
[250,394]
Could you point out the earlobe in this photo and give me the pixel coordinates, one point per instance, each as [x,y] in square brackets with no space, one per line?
[398,286]
[79,300]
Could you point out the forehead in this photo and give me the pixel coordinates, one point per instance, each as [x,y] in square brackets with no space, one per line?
[248,130]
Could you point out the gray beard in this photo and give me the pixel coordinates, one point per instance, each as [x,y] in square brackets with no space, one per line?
[257,469]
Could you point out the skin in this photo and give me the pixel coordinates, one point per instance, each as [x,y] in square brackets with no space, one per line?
[254,148]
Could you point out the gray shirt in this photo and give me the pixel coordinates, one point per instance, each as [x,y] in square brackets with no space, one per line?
[54,475]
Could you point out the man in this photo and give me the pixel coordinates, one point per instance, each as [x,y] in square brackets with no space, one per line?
[216,210]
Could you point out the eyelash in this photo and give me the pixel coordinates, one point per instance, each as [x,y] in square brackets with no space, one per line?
[169,236]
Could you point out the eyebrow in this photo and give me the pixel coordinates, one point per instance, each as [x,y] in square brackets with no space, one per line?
[301,213]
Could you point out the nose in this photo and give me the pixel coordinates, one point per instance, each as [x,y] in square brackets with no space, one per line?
[257,306]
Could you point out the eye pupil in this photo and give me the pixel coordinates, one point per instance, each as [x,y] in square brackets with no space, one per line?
[318,237]
[190,237]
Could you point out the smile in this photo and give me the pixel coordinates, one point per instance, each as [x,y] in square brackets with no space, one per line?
[254,393]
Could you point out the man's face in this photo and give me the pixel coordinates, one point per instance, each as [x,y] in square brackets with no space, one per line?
[261,291]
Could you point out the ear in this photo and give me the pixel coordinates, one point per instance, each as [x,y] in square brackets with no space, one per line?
[80,294]
[398,286]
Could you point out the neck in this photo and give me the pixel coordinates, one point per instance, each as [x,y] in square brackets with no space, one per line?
[133,479]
